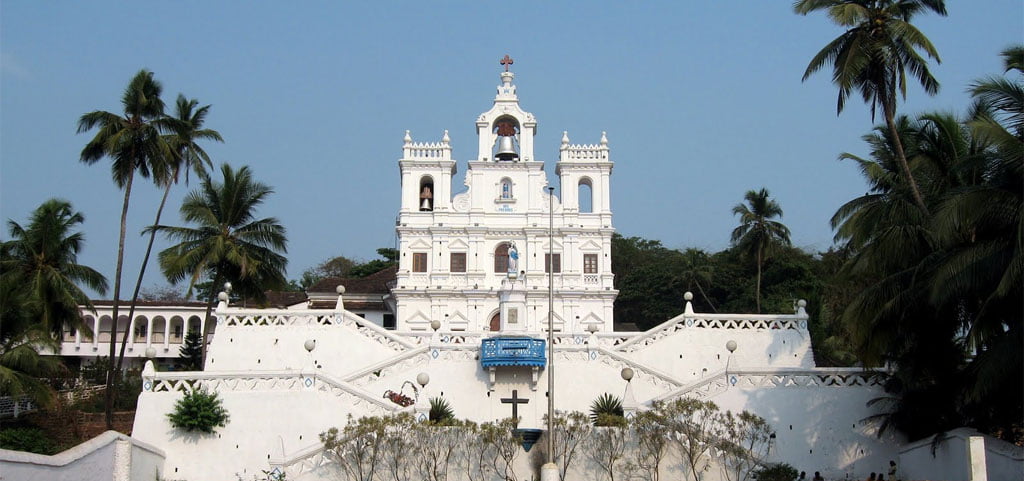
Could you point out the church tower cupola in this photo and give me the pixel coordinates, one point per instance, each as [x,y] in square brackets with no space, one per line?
[506,131]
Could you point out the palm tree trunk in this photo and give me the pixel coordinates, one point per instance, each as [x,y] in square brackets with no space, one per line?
[757,293]
[209,308]
[142,273]
[904,165]
[705,296]
[111,373]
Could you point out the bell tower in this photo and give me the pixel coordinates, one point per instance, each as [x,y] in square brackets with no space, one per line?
[506,131]
[427,169]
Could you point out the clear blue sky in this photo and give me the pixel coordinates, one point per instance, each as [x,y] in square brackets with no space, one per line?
[702,101]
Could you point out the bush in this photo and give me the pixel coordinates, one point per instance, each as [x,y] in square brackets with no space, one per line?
[776,472]
[32,440]
[199,411]
[440,411]
[606,410]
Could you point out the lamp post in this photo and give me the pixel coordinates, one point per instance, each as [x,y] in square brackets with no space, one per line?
[551,338]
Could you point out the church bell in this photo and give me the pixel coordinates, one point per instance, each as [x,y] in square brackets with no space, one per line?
[506,149]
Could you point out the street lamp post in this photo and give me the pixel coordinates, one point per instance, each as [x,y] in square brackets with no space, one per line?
[549,472]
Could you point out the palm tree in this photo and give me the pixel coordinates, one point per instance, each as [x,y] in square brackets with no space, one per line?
[227,243]
[135,145]
[40,264]
[757,235]
[186,126]
[873,57]
[40,297]
[697,270]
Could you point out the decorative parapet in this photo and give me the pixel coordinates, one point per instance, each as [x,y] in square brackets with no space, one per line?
[758,322]
[428,151]
[719,381]
[240,381]
[312,317]
[583,152]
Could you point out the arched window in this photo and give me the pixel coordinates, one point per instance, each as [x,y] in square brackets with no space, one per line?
[501,258]
[586,196]
[426,193]
[506,189]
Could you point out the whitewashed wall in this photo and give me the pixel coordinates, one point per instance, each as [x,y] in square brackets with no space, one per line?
[950,460]
[109,456]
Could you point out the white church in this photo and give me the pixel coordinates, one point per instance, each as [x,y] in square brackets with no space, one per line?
[465,317]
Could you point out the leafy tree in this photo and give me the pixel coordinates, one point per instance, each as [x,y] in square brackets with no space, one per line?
[695,426]
[228,242]
[134,144]
[607,449]
[652,434]
[697,272]
[758,236]
[745,444]
[199,410]
[186,155]
[873,56]
[572,431]
[357,447]
[191,351]
[647,278]
[31,440]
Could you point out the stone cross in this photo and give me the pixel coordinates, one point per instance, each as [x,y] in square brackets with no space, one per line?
[515,401]
[506,62]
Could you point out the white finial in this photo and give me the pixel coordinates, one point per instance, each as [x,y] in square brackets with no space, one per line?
[340,305]
[408,138]
[688,296]
[446,139]
[565,137]
[801,306]
[604,138]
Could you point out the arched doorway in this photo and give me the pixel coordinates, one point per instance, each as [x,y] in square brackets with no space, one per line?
[496,322]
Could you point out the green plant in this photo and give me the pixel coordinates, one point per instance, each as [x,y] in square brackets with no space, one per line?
[441,411]
[606,410]
[199,411]
[191,352]
[776,472]
[32,440]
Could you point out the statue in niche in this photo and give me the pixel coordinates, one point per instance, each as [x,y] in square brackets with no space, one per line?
[513,260]
[426,199]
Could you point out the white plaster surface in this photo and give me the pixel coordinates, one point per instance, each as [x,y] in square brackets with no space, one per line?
[950,460]
[96,459]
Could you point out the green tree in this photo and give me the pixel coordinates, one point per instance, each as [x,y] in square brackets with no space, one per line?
[40,266]
[187,128]
[697,271]
[191,351]
[227,243]
[758,236]
[199,410]
[647,278]
[135,145]
[873,56]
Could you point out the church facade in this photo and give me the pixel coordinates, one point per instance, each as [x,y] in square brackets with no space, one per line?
[480,260]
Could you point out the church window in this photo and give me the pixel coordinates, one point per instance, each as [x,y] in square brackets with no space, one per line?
[506,189]
[590,263]
[419,262]
[389,321]
[558,262]
[501,258]
[586,196]
[458,261]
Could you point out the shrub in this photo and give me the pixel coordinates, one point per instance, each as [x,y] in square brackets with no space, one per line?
[32,440]
[605,409]
[440,411]
[776,472]
[199,411]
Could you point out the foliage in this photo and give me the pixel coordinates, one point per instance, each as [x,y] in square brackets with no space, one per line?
[694,426]
[606,410]
[39,266]
[344,267]
[164,293]
[31,440]
[435,449]
[652,433]
[571,431]
[939,290]
[873,56]
[504,445]
[758,236]
[607,449]
[357,447]
[776,472]
[745,443]
[191,351]
[200,411]
[650,291]
[441,411]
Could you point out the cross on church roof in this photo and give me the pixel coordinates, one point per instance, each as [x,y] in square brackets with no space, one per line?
[506,62]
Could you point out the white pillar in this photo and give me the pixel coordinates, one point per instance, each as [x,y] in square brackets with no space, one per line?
[976,458]
[122,459]
[149,331]
[96,331]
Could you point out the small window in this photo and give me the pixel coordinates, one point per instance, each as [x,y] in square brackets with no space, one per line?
[389,321]
[506,189]
[419,262]
[590,263]
[458,262]
[501,259]
[363,315]
[558,262]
